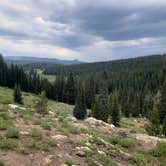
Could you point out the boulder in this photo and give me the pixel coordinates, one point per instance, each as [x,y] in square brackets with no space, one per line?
[59,137]
[12,106]
[80,153]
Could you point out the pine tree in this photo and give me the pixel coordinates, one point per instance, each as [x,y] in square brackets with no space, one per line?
[17,94]
[80,109]
[162,107]
[164,127]
[90,92]
[70,91]
[115,112]
[41,104]
[101,106]
[153,128]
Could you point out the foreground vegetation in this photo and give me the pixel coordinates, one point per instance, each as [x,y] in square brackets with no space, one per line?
[58,138]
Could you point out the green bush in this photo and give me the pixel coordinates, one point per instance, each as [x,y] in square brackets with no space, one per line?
[12,133]
[8,144]
[126,143]
[4,115]
[69,162]
[36,134]
[2,163]
[114,140]
[122,142]
[159,150]
[46,125]
[139,160]
[106,161]
[3,125]
[51,142]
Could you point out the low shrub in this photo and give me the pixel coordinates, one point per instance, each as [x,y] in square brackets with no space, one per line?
[12,133]
[159,150]
[36,134]
[8,144]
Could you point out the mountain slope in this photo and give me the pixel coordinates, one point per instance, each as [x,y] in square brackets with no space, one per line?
[126,65]
[57,138]
[31,60]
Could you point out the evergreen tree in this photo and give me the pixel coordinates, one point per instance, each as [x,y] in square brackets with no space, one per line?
[90,92]
[115,112]
[153,128]
[162,107]
[101,106]
[41,104]
[80,109]
[17,94]
[164,127]
[70,91]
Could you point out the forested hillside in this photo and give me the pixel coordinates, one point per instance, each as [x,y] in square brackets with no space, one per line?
[132,88]
[119,115]
[126,65]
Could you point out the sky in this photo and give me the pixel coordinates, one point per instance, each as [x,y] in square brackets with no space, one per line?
[87,30]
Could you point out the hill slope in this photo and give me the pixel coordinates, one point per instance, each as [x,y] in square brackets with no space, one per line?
[21,60]
[117,66]
[57,138]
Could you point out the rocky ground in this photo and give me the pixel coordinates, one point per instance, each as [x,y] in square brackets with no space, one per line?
[58,139]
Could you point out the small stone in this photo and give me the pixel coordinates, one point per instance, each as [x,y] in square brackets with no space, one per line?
[59,137]
[47,161]
[84,148]
[88,144]
[52,113]
[101,152]
[50,157]
[81,153]
[24,132]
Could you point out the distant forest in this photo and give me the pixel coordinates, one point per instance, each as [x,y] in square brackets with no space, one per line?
[137,83]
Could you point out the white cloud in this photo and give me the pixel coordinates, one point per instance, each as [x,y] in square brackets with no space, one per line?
[46,25]
[37,49]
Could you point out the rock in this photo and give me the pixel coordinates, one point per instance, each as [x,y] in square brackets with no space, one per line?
[79,126]
[88,144]
[97,122]
[59,137]
[50,157]
[84,148]
[101,152]
[151,140]
[52,113]
[12,106]
[22,108]
[24,132]
[81,153]
[47,161]
[72,118]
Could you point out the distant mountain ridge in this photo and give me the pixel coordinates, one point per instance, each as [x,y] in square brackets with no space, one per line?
[28,60]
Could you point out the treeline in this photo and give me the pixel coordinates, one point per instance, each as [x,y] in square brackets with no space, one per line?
[62,90]
[131,88]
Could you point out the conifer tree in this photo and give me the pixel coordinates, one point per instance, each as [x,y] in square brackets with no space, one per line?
[164,127]
[162,106]
[101,107]
[17,94]
[80,109]
[70,91]
[115,112]
[41,104]
[153,128]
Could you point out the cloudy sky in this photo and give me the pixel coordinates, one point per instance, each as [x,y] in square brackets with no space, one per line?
[88,30]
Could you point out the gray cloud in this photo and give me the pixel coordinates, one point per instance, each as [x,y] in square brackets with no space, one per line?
[93,30]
